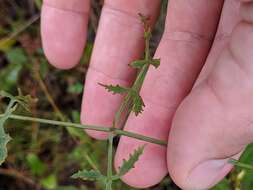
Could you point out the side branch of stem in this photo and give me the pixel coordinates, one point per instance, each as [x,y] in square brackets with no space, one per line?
[90,127]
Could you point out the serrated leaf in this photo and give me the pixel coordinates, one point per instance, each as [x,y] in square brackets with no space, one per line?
[138,64]
[23,101]
[138,104]
[92,175]
[129,164]
[5,138]
[155,63]
[115,89]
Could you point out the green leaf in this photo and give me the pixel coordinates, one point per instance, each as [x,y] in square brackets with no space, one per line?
[87,54]
[138,104]
[115,89]
[5,138]
[23,101]
[76,88]
[66,188]
[138,64]
[129,164]
[50,182]
[35,164]
[247,182]
[16,56]
[91,175]
[223,185]
[155,63]
[6,44]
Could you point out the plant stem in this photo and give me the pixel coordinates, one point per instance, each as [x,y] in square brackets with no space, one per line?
[126,104]
[140,137]
[19,30]
[44,88]
[90,127]
[109,162]
[240,164]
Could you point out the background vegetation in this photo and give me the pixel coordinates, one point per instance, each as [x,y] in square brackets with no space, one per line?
[41,157]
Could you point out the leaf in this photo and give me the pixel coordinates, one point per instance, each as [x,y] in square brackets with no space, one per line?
[155,63]
[37,167]
[76,88]
[66,188]
[140,63]
[115,89]
[129,164]
[246,182]
[91,175]
[17,56]
[50,182]
[5,138]
[6,44]
[223,185]
[138,104]
[23,101]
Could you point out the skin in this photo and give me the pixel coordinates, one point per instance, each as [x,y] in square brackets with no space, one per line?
[200,98]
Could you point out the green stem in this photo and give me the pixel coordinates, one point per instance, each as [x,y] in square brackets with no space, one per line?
[140,137]
[109,162]
[90,127]
[125,105]
[240,164]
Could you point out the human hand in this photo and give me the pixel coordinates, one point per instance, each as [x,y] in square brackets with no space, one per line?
[217,108]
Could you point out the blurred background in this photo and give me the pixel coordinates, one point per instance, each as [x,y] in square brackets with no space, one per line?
[42,157]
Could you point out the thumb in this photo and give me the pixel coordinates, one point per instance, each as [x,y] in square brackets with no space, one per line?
[214,123]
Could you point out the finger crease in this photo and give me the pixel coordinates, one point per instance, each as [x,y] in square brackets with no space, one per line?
[121,12]
[186,36]
[108,75]
[213,90]
[65,9]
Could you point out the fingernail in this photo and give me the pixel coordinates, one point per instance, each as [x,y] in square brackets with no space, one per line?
[207,174]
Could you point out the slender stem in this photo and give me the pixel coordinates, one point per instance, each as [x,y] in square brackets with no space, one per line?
[5,116]
[17,175]
[140,137]
[59,123]
[20,30]
[109,162]
[240,164]
[90,127]
[125,105]
[44,88]
[141,76]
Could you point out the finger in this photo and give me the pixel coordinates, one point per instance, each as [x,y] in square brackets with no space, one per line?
[213,123]
[119,41]
[183,50]
[63,29]
[229,18]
